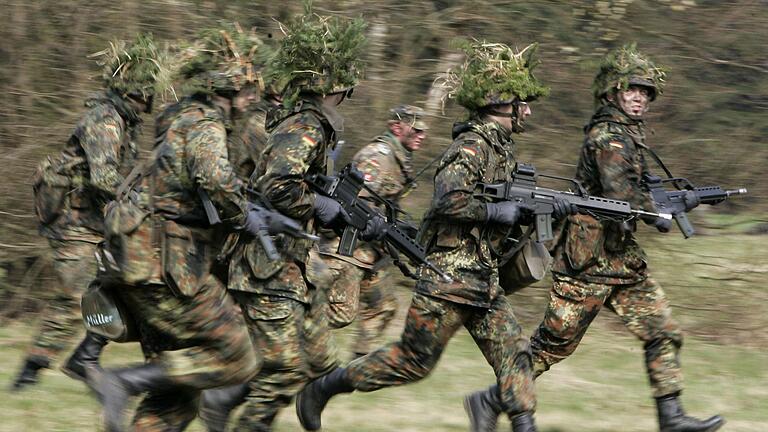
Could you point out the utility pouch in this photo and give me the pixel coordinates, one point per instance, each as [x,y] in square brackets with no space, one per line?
[529,265]
[584,241]
[186,257]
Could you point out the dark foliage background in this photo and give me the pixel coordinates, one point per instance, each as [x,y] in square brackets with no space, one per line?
[710,125]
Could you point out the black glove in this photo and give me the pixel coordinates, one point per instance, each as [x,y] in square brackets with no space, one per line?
[375,229]
[254,220]
[329,211]
[505,212]
[691,200]
[563,209]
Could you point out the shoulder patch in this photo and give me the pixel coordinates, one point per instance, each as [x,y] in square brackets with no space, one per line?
[306,139]
[469,150]
[384,149]
[616,144]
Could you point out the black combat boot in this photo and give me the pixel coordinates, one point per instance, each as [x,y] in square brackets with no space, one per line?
[28,374]
[86,353]
[311,401]
[524,423]
[114,387]
[216,405]
[483,408]
[672,418]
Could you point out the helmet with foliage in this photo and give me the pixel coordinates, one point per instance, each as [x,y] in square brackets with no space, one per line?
[624,67]
[493,74]
[137,68]
[224,60]
[319,54]
[409,114]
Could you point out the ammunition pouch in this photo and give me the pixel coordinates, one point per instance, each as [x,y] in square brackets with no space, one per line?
[51,185]
[527,266]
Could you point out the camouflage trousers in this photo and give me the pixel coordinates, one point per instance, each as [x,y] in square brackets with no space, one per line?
[359,292]
[429,326]
[642,307]
[201,341]
[297,346]
[75,267]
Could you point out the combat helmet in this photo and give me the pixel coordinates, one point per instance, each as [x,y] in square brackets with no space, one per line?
[319,54]
[624,67]
[412,115]
[493,74]
[223,61]
[137,68]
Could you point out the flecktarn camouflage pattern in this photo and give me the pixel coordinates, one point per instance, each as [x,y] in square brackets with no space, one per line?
[318,54]
[492,74]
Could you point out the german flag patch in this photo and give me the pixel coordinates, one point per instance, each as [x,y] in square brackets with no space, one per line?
[306,139]
[616,144]
[469,150]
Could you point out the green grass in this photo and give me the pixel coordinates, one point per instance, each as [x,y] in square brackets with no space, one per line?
[715,282]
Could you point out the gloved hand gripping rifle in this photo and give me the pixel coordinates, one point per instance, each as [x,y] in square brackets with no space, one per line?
[345,187]
[522,189]
[674,201]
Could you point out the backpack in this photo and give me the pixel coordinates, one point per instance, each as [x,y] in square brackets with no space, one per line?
[51,184]
[130,252]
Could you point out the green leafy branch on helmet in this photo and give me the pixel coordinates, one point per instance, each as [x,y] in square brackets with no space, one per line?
[623,65]
[492,74]
[224,59]
[319,54]
[136,68]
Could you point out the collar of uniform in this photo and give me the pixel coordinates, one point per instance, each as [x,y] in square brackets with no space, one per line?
[494,133]
[123,108]
[402,154]
[611,114]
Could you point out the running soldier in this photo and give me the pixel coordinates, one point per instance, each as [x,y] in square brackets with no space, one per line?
[599,262]
[495,84]
[387,168]
[71,191]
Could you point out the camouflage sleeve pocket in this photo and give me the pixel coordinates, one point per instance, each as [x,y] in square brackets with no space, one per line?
[186,259]
[584,241]
[260,264]
[268,308]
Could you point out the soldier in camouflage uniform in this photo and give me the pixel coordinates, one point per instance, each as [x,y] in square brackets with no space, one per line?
[284,309]
[86,175]
[460,233]
[600,262]
[191,330]
[386,165]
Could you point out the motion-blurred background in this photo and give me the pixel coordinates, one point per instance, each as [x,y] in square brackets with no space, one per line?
[710,125]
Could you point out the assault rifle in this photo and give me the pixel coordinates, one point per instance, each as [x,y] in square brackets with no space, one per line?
[522,189]
[271,220]
[345,187]
[674,201]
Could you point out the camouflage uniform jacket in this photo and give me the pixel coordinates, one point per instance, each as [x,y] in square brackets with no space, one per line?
[194,155]
[611,165]
[297,145]
[454,231]
[100,151]
[386,167]
[247,140]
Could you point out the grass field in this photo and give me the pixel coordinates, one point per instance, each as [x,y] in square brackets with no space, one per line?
[715,283]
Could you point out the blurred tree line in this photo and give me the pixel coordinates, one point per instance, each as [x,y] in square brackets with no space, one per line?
[710,125]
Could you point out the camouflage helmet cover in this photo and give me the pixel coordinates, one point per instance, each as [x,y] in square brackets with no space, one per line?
[224,59]
[412,115]
[494,74]
[134,68]
[624,67]
[319,54]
